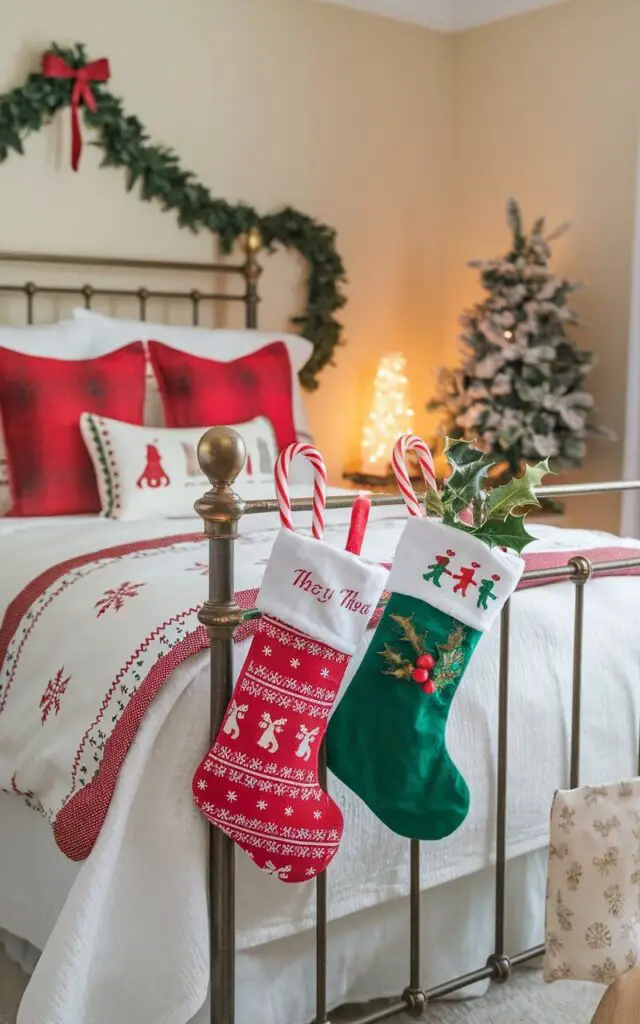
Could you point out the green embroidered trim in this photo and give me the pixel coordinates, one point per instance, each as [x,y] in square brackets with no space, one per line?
[106,485]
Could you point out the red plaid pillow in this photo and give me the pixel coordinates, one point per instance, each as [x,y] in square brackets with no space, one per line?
[200,392]
[41,401]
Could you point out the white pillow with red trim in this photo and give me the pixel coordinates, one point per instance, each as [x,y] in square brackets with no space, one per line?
[153,472]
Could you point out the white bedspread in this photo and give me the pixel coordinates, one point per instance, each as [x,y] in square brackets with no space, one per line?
[130,943]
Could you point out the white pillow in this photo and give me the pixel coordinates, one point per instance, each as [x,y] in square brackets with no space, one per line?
[153,472]
[68,339]
[220,345]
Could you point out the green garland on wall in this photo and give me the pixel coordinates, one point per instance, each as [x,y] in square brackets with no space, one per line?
[125,143]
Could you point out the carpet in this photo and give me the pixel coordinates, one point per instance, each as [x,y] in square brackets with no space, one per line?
[524,1000]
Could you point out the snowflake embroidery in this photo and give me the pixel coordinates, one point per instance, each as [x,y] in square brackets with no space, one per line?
[262,805]
[310,872]
[317,815]
[115,597]
[295,663]
[232,796]
[288,811]
[598,936]
[199,567]
[266,651]
[324,672]
[615,900]
[53,694]
[202,784]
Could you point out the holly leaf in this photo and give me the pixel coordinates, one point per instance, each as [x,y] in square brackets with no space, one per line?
[461,453]
[470,467]
[518,493]
[433,504]
[504,533]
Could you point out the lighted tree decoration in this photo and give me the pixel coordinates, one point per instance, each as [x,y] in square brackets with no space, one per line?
[391,415]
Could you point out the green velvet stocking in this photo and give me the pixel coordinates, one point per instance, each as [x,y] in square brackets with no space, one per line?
[387,737]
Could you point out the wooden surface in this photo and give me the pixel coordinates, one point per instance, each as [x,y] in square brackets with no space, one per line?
[621,1002]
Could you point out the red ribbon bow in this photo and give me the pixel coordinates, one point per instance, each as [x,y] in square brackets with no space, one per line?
[54,66]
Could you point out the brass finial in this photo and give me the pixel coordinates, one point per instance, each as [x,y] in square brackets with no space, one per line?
[221,455]
[254,240]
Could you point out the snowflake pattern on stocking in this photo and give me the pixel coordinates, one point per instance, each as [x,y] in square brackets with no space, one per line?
[115,597]
[53,694]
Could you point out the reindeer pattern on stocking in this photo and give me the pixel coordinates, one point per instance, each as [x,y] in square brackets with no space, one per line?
[271,728]
[235,714]
[306,737]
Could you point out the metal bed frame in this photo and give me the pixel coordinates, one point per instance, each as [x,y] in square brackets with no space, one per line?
[221,456]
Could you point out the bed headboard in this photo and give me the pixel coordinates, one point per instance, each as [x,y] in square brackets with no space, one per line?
[247,272]
[152,287]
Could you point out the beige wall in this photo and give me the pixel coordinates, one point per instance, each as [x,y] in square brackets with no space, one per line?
[547,108]
[409,142]
[346,116]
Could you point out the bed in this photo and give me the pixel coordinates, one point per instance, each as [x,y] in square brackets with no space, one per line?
[125,933]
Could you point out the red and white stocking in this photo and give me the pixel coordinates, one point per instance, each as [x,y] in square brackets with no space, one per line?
[259,782]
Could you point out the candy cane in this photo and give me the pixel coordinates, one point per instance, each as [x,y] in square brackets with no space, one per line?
[319,485]
[412,443]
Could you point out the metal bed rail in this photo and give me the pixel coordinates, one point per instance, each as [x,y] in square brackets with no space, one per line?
[249,270]
[221,457]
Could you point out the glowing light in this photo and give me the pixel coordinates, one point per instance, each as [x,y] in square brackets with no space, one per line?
[391,415]
[508,335]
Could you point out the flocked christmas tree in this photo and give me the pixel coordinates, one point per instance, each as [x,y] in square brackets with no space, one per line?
[520,390]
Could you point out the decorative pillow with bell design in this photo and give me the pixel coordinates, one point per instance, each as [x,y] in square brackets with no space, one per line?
[153,472]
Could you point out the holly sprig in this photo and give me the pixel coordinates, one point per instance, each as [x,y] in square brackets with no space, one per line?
[494,515]
[449,661]
[446,664]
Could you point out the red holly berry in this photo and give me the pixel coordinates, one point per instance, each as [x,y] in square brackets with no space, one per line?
[429,686]
[420,675]
[426,661]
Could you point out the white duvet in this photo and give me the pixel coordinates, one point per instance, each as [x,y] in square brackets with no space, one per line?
[130,943]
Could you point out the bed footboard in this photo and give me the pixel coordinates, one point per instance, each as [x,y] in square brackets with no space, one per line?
[221,455]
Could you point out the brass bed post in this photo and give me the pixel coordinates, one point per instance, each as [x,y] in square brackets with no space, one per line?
[583,570]
[251,271]
[499,962]
[221,455]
